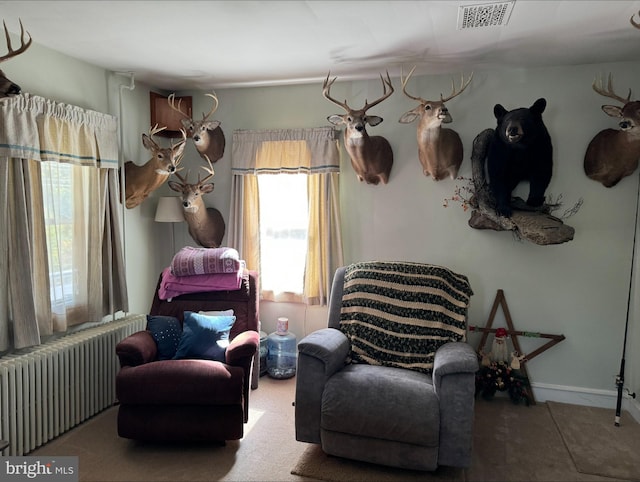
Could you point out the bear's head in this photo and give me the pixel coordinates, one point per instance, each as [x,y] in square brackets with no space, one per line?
[520,127]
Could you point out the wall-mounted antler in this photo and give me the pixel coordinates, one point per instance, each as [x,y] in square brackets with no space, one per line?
[206,225]
[371,156]
[7,87]
[140,181]
[613,154]
[635,23]
[439,149]
[207,135]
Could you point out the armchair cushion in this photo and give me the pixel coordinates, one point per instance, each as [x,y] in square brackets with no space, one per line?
[204,337]
[398,314]
[166,331]
[402,403]
[180,383]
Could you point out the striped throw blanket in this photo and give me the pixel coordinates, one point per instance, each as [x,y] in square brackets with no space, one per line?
[399,313]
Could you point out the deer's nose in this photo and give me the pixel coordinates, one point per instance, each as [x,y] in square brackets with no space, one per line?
[196,138]
[172,168]
[14,89]
[359,127]
[185,204]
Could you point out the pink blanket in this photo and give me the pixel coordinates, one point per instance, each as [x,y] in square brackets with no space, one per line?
[172,286]
[194,261]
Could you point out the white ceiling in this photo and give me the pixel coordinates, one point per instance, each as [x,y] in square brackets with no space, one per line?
[178,45]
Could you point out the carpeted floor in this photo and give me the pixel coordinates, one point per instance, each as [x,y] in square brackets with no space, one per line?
[511,443]
[595,444]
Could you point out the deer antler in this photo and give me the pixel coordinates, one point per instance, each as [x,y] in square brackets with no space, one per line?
[326,87]
[209,170]
[633,22]
[24,46]
[155,129]
[404,81]
[463,85]
[214,108]
[172,104]
[183,180]
[597,86]
[178,160]
[385,94]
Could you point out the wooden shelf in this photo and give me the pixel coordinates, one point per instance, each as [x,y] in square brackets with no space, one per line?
[163,115]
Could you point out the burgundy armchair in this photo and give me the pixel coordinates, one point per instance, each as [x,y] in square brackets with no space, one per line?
[189,399]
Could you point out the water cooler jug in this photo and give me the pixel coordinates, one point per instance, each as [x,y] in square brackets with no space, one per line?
[281,351]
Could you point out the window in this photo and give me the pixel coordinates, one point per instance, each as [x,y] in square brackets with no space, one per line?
[284,221]
[285,210]
[63,263]
[57,186]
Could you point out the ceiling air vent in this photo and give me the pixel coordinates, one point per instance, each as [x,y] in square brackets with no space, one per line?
[484,14]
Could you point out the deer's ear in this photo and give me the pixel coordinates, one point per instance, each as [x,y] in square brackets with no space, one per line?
[206,188]
[149,143]
[373,120]
[612,110]
[179,149]
[176,186]
[335,119]
[210,125]
[409,117]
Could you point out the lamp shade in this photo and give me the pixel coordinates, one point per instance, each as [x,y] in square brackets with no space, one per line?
[169,210]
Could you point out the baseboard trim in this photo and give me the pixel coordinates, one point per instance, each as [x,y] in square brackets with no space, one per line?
[590,397]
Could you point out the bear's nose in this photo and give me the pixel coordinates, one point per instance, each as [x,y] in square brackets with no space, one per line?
[512,131]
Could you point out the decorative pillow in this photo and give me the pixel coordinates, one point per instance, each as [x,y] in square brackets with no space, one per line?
[166,331]
[217,313]
[204,337]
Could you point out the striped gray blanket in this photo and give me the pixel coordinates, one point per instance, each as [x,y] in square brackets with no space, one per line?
[399,313]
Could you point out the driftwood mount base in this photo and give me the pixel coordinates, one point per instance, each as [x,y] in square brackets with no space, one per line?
[535,225]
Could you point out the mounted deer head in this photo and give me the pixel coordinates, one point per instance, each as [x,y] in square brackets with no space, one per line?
[8,87]
[206,225]
[439,149]
[207,134]
[613,154]
[371,157]
[140,181]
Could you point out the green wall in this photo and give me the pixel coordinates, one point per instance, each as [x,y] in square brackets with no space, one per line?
[578,289]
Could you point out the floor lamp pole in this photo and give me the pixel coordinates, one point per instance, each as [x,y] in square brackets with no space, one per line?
[170,210]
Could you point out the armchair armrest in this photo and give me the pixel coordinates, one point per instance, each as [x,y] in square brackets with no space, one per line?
[453,358]
[320,355]
[240,353]
[329,346]
[137,349]
[242,348]
[454,375]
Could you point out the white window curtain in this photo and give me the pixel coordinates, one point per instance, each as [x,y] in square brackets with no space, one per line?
[311,151]
[42,142]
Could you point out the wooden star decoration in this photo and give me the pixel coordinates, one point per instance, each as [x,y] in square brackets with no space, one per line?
[500,300]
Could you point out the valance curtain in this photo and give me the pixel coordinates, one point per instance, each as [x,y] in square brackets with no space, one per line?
[311,151]
[58,200]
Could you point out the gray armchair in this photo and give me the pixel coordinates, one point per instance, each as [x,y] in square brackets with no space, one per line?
[381,411]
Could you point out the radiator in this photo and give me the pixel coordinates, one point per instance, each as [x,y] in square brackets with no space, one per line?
[59,384]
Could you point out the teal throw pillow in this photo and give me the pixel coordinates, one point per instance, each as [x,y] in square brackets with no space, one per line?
[204,337]
[166,331]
